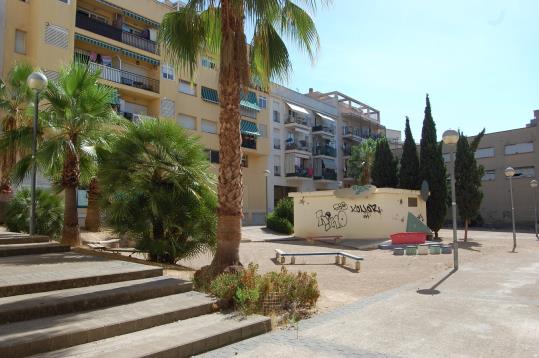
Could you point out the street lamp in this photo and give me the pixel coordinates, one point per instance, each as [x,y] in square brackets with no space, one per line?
[534,185]
[266,174]
[510,172]
[450,138]
[36,82]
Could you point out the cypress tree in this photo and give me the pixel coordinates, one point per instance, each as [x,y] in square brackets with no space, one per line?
[409,170]
[384,168]
[468,180]
[432,169]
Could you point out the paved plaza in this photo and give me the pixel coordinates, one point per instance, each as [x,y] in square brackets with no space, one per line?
[489,308]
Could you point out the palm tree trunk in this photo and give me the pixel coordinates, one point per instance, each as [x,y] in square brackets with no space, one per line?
[70,182]
[230,190]
[8,159]
[93,215]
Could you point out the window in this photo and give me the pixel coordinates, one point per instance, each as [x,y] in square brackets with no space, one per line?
[56,36]
[412,202]
[447,157]
[209,126]
[168,108]
[262,129]
[489,175]
[277,166]
[244,161]
[484,153]
[187,88]
[213,156]
[524,172]
[186,121]
[518,148]
[276,138]
[276,116]
[262,102]
[167,71]
[20,42]
[208,63]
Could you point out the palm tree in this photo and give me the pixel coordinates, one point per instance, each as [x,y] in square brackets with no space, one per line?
[218,27]
[157,188]
[77,118]
[362,159]
[15,99]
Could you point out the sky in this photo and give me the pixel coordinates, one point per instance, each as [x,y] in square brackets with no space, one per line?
[477,59]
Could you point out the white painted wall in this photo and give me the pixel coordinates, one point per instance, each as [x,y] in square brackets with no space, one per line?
[375,216]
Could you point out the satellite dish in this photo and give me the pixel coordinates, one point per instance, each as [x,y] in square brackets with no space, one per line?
[425,192]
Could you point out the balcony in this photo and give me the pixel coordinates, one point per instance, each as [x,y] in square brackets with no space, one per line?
[84,22]
[352,133]
[347,151]
[301,172]
[324,130]
[327,174]
[297,122]
[301,145]
[325,150]
[120,76]
[248,141]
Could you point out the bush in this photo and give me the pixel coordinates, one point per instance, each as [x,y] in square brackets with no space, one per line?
[278,224]
[291,295]
[285,209]
[49,213]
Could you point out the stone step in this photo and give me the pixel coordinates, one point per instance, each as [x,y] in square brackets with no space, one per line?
[58,332]
[9,239]
[43,304]
[179,339]
[34,248]
[50,272]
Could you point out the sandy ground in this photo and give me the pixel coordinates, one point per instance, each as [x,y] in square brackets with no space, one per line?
[381,271]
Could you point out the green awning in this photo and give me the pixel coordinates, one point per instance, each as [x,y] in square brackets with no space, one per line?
[97,42]
[140,57]
[140,18]
[247,127]
[250,101]
[209,94]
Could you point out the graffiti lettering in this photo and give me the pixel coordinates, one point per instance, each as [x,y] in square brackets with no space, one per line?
[420,217]
[340,206]
[366,209]
[327,221]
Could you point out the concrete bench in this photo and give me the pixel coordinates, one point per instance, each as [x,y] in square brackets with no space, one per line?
[336,238]
[340,257]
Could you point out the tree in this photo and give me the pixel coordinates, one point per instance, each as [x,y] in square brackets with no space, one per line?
[218,27]
[157,187]
[15,99]
[77,117]
[468,180]
[384,167]
[432,169]
[361,161]
[409,170]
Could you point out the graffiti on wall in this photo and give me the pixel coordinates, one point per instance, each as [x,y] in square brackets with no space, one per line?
[339,219]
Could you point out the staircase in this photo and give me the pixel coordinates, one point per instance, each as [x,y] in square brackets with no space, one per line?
[58,303]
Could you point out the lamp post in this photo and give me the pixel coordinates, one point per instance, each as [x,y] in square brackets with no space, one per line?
[266,174]
[510,172]
[533,185]
[450,138]
[36,82]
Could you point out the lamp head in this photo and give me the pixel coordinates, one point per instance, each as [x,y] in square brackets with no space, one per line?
[509,172]
[450,136]
[534,183]
[267,172]
[37,81]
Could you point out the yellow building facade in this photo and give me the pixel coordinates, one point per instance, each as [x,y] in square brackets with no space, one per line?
[118,37]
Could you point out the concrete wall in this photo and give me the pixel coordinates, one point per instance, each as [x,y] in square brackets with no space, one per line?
[341,212]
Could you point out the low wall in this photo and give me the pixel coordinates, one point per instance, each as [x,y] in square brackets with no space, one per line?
[360,212]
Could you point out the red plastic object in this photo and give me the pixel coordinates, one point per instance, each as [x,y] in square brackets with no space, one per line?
[408,238]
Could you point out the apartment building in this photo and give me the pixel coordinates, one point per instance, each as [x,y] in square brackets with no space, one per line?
[118,37]
[518,148]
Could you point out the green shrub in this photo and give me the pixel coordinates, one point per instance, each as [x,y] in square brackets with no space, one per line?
[49,213]
[291,295]
[285,209]
[279,224]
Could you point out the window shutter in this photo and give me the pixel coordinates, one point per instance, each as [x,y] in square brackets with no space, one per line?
[187,121]
[168,108]
[56,36]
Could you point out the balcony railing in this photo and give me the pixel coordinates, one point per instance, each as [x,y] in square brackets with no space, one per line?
[98,27]
[324,129]
[325,150]
[356,132]
[120,76]
[248,142]
[327,174]
[301,172]
[295,120]
[298,146]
